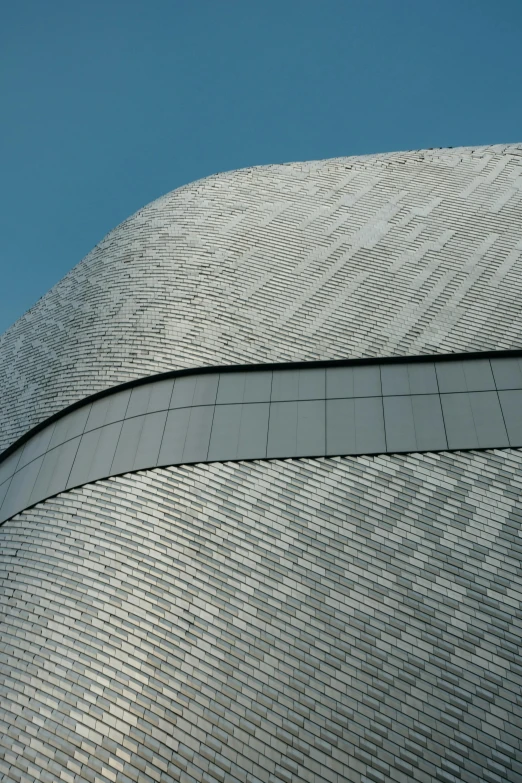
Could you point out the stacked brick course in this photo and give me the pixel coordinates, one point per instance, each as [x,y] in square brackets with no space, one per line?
[395,254]
[273,621]
[321,620]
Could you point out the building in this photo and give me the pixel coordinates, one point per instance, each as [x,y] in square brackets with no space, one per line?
[295,555]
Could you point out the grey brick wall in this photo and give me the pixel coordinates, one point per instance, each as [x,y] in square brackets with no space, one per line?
[403,253]
[309,620]
[321,620]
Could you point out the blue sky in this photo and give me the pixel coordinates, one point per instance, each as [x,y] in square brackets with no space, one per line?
[108,104]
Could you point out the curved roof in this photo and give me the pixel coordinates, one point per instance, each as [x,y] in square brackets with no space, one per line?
[395,254]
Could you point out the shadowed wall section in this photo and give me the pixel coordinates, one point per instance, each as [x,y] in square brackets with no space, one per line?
[457,404]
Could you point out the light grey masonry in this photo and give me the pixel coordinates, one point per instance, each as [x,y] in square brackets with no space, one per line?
[312,620]
[397,254]
[260,414]
[349,619]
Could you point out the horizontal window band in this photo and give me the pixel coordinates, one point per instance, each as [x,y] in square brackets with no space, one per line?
[277,411]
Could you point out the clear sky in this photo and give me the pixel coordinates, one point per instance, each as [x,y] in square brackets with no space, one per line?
[108,104]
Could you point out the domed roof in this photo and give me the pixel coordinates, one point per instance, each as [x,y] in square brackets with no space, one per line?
[402,253]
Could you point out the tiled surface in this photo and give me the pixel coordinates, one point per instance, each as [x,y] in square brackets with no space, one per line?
[334,620]
[276,414]
[394,254]
[353,619]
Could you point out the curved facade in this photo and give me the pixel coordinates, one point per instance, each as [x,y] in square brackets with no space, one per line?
[406,253]
[318,618]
